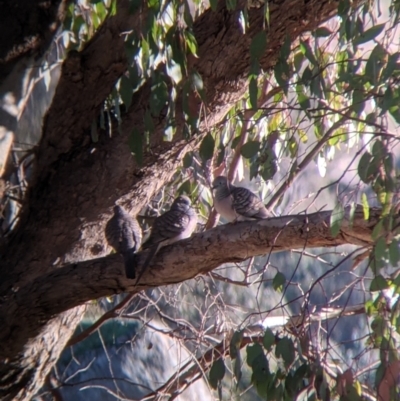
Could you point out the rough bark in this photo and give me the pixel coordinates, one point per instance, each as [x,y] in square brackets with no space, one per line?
[26,29]
[78,181]
[230,243]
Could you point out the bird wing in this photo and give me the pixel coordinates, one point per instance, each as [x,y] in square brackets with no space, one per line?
[134,231]
[123,233]
[168,226]
[247,204]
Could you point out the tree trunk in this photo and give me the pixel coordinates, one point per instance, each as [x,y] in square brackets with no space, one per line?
[77,182]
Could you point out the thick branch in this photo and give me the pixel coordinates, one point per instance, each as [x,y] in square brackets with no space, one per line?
[64,226]
[68,207]
[75,284]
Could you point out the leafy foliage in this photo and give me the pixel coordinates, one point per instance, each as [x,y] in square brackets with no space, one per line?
[333,92]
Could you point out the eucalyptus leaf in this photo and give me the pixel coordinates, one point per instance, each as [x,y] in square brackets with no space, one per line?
[268,339]
[207,147]
[378,284]
[253,92]
[217,372]
[250,149]
[336,219]
[258,45]
[285,349]
[369,34]
[279,281]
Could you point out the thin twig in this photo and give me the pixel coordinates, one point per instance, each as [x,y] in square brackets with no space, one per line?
[294,172]
[213,217]
[114,312]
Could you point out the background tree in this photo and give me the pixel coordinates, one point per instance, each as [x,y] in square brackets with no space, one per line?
[251,89]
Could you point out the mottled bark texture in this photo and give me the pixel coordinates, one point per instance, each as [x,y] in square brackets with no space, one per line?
[77,183]
[26,29]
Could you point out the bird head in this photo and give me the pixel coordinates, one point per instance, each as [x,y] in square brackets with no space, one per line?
[220,182]
[118,209]
[182,202]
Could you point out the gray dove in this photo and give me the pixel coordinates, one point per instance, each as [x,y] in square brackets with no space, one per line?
[123,233]
[237,203]
[177,223]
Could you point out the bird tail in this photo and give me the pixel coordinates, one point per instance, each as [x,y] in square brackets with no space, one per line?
[152,252]
[130,264]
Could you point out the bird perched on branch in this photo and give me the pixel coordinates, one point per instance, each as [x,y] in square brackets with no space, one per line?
[237,203]
[177,223]
[123,233]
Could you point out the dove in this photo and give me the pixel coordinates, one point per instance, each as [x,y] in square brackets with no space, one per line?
[236,203]
[177,223]
[123,233]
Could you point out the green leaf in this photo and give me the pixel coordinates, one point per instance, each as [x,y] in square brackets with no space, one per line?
[292,385]
[217,373]
[185,188]
[221,154]
[125,91]
[304,101]
[358,102]
[279,281]
[369,34]
[285,349]
[388,163]
[394,253]
[235,142]
[134,6]
[375,63]
[322,32]
[253,351]
[363,167]
[377,230]
[135,142]
[307,76]
[381,251]
[268,339]
[336,219]
[253,92]
[258,45]
[230,5]
[214,4]
[306,50]
[269,167]
[378,149]
[148,122]
[281,75]
[188,160]
[191,42]
[237,368]
[378,284]
[187,15]
[159,96]
[343,8]
[390,67]
[207,147]
[365,205]
[260,368]
[250,149]
[262,388]
[234,346]
[285,49]
[298,61]
[145,53]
